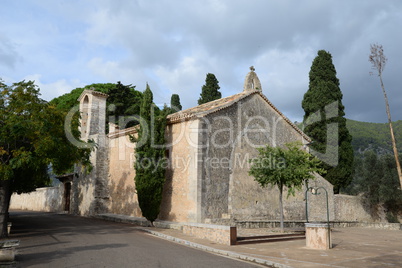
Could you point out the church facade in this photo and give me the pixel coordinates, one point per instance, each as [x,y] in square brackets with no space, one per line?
[208,147]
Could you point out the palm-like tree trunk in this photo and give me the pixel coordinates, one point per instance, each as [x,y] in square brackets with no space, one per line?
[398,165]
[378,60]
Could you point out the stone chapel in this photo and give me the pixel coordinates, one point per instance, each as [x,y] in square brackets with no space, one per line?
[208,147]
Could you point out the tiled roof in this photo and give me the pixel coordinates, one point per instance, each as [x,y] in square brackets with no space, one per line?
[220,104]
[207,108]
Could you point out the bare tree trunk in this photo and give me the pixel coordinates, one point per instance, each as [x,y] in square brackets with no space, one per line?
[5,195]
[378,60]
[281,204]
[398,165]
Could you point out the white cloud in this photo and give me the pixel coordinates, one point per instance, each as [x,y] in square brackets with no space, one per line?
[8,53]
[185,80]
[173,44]
[53,89]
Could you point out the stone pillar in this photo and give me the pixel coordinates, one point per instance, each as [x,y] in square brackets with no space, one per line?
[318,236]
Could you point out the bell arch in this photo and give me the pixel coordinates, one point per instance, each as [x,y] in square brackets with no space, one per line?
[252,82]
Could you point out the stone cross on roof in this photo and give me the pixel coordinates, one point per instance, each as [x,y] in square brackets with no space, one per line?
[252,82]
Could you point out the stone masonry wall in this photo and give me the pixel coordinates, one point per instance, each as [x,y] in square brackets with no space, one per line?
[351,208]
[180,193]
[233,136]
[90,193]
[181,190]
[48,199]
[121,184]
[226,235]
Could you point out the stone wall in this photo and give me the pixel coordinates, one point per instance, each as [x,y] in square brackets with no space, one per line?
[351,208]
[90,192]
[181,189]
[231,138]
[48,199]
[182,186]
[121,184]
[226,235]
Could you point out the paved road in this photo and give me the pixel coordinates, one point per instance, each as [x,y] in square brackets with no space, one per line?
[57,240]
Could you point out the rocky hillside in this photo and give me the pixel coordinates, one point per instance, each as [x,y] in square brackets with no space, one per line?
[375,136]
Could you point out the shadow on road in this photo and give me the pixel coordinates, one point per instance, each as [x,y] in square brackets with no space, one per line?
[47,236]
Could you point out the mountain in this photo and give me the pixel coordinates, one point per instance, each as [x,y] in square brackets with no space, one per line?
[375,136]
[372,136]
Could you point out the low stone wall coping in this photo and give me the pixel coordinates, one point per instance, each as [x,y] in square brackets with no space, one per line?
[316,225]
[221,234]
[168,225]
[209,226]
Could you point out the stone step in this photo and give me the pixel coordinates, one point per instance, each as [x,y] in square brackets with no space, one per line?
[270,238]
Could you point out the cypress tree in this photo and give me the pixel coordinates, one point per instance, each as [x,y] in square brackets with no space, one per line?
[175,103]
[210,91]
[319,121]
[150,161]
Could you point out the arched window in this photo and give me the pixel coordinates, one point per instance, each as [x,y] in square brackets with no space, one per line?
[84,115]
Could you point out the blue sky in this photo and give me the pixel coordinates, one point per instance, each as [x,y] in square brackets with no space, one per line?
[173,44]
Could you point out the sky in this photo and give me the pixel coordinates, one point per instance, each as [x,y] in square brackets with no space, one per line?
[172,45]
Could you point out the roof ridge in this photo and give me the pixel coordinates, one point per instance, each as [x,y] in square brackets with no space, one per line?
[93,92]
[208,108]
[284,117]
[201,110]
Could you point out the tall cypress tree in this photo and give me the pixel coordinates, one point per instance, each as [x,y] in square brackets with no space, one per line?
[175,103]
[150,158]
[210,91]
[326,126]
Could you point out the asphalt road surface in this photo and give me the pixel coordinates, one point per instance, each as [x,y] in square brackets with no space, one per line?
[60,240]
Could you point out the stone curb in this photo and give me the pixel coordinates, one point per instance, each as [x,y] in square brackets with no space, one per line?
[230,254]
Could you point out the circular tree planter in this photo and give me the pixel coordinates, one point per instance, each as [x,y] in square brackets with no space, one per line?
[7,250]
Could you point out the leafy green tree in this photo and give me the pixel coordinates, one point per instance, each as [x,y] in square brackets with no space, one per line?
[123,102]
[175,103]
[288,168]
[150,162]
[32,139]
[210,91]
[335,143]
[69,100]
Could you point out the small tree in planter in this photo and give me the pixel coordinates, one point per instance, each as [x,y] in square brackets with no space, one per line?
[288,168]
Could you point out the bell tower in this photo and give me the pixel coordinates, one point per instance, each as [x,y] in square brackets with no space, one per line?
[252,83]
[90,189]
[93,113]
